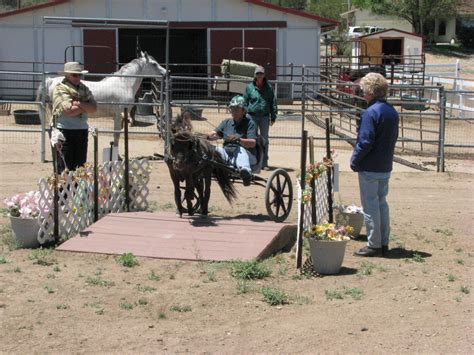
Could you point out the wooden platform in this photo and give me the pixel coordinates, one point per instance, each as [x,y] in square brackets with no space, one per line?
[165,235]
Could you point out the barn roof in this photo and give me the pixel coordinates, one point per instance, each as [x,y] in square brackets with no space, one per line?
[391,29]
[288,10]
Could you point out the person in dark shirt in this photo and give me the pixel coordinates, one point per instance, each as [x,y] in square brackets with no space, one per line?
[240,138]
[372,159]
[261,107]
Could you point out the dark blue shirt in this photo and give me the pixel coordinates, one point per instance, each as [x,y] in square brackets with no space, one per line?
[378,133]
[245,128]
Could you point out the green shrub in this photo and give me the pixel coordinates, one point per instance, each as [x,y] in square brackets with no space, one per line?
[274,296]
[465,35]
[127,260]
[250,270]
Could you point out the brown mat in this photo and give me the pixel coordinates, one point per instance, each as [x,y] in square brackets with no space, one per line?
[165,235]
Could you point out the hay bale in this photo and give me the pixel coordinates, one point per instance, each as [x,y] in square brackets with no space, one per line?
[235,67]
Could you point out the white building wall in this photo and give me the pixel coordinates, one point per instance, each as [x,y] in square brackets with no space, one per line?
[367,18]
[298,43]
[413,46]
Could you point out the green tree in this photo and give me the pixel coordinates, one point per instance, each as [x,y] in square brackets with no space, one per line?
[420,13]
[295,4]
[325,8]
[328,8]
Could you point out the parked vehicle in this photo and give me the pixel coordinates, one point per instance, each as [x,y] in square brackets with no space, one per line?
[356,31]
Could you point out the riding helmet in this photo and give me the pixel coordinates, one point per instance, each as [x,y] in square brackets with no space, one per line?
[237,101]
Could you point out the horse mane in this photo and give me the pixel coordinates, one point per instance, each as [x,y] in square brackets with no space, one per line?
[124,70]
[184,136]
[182,123]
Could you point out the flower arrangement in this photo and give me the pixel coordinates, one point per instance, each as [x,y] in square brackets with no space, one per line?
[328,231]
[24,205]
[314,172]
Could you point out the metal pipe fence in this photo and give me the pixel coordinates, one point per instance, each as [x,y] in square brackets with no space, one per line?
[428,126]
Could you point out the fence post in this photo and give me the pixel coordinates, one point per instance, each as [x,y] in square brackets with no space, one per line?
[299,242]
[313,182]
[392,71]
[126,167]
[96,174]
[42,111]
[329,172]
[442,126]
[168,113]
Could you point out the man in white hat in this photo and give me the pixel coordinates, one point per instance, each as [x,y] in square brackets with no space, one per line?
[261,106]
[72,102]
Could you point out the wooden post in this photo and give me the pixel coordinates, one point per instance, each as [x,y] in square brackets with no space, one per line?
[126,167]
[299,246]
[329,173]
[313,182]
[96,176]
[55,196]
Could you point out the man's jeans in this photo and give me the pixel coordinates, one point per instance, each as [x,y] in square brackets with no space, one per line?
[241,158]
[373,192]
[263,125]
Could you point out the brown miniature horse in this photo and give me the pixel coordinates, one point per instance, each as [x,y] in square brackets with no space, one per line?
[195,161]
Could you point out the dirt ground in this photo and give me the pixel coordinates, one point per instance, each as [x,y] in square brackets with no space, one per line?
[416,300]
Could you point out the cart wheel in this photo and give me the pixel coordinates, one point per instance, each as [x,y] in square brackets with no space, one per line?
[279,195]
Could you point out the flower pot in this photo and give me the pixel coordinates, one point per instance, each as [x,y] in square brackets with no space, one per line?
[327,255]
[355,220]
[25,231]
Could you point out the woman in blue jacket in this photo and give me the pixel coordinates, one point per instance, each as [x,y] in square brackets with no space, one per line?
[372,159]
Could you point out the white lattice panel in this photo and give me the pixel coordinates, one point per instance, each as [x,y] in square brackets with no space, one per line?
[322,207]
[76,196]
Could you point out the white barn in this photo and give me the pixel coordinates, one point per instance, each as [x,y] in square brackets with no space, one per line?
[390,42]
[201,31]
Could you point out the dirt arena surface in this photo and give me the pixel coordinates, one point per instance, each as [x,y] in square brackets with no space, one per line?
[417,300]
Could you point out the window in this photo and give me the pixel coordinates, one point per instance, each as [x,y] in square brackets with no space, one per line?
[442,28]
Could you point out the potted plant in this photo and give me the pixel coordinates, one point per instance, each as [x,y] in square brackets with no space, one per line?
[23,210]
[327,246]
[352,215]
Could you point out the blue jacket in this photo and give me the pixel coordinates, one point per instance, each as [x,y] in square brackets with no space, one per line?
[378,133]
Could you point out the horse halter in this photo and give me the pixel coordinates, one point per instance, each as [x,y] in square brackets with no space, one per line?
[195,150]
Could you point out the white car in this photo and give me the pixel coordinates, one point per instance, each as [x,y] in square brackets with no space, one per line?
[356,31]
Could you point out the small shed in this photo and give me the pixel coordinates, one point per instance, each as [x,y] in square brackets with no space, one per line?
[377,48]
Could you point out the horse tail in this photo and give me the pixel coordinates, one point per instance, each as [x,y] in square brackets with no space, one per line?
[222,175]
[39,97]
[39,91]
[225,183]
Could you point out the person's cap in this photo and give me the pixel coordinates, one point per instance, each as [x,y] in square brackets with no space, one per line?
[259,69]
[237,101]
[73,68]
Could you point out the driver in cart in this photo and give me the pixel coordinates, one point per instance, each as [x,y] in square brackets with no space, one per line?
[240,138]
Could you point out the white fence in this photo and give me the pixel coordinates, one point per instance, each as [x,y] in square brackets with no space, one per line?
[460,100]
[76,196]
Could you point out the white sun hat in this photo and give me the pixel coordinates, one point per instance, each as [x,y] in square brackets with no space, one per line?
[73,68]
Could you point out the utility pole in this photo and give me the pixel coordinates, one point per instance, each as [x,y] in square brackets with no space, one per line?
[420,13]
